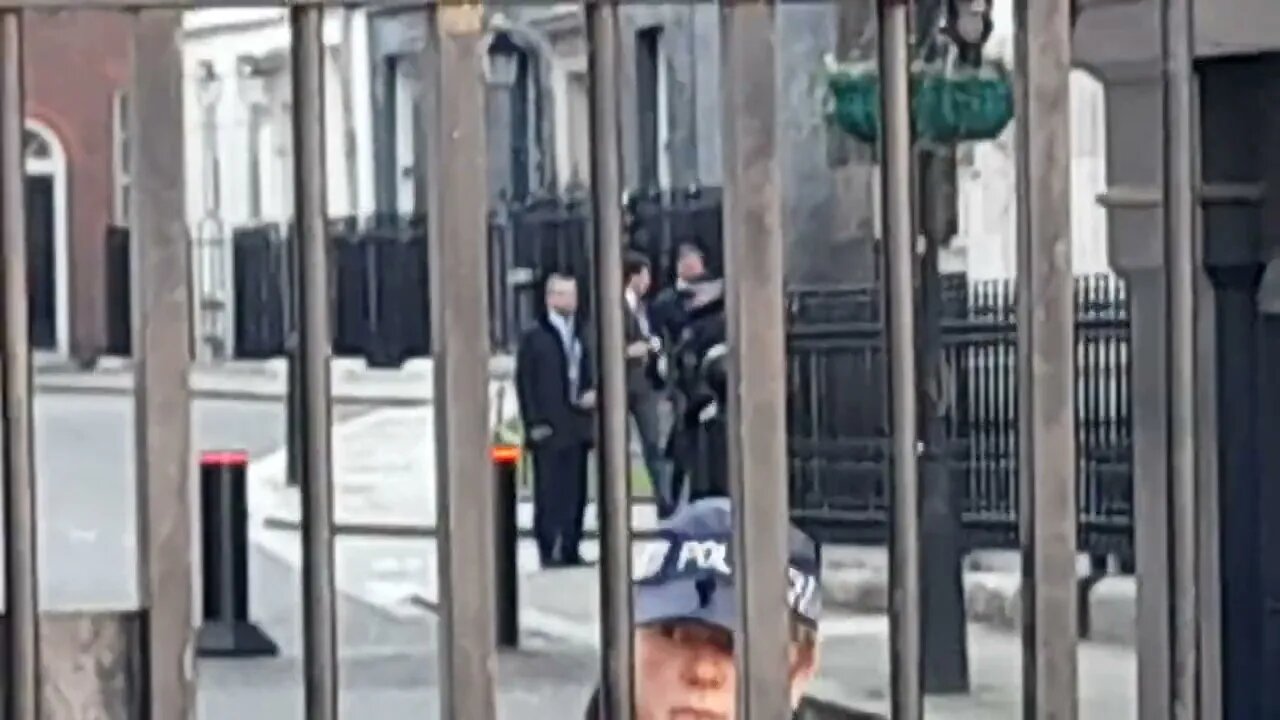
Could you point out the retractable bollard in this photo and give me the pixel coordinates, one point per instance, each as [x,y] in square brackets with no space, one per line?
[506,586]
[226,630]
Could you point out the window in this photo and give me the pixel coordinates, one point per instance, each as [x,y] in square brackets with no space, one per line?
[35,148]
[649,106]
[120,158]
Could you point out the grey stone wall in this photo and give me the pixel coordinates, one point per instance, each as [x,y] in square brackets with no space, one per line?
[828,182]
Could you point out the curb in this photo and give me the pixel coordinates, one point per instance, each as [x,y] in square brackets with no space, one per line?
[409,386]
[993,599]
[539,623]
[385,399]
[411,530]
[812,708]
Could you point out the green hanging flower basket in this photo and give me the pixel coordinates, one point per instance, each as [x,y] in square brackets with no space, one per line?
[949,104]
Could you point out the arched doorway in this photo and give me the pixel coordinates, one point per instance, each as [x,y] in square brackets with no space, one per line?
[46,205]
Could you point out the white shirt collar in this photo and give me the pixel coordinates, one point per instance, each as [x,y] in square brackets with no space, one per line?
[561,323]
[633,301]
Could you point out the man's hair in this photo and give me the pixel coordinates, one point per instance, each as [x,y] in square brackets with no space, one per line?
[634,263]
[558,276]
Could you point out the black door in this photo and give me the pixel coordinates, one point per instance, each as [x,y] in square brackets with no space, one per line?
[1268,479]
[41,272]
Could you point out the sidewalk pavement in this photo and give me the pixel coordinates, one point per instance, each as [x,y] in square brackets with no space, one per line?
[384,469]
[388,666]
[384,475]
[352,380]
[854,668]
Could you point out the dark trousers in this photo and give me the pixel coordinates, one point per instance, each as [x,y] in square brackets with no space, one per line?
[644,409]
[559,501]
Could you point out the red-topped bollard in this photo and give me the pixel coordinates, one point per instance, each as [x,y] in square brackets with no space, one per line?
[506,586]
[225,630]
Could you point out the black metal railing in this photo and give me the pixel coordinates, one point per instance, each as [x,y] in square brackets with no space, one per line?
[119,305]
[380,277]
[839,425]
[838,416]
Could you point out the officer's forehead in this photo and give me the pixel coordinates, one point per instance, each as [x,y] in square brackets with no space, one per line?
[690,630]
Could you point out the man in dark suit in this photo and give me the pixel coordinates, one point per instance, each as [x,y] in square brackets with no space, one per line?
[556,393]
[643,398]
[667,312]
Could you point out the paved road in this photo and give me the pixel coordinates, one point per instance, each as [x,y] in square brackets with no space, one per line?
[389,668]
[85,461]
[85,466]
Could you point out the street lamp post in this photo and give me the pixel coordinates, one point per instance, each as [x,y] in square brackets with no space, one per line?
[502,68]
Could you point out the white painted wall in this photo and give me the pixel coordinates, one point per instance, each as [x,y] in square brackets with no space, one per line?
[222,36]
[987,241]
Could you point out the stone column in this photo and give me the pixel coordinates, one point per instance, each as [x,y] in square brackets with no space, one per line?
[1136,233]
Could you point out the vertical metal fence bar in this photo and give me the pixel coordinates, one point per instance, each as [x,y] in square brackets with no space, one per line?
[458,261]
[614,487]
[161,271]
[896,177]
[23,652]
[319,613]
[1046,361]
[757,368]
[1180,287]
[161,277]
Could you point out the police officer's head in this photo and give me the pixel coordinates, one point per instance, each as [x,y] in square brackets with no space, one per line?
[686,607]
[690,263]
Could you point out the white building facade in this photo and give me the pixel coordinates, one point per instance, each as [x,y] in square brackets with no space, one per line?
[986,245]
[239,139]
[238,104]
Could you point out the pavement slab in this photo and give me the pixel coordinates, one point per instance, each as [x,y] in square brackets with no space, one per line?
[384,477]
[399,574]
[352,380]
[388,665]
[86,487]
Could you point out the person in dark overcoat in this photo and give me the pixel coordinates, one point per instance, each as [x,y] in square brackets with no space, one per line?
[556,394]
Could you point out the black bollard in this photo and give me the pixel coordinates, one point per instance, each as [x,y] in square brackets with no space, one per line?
[506,538]
[226,630]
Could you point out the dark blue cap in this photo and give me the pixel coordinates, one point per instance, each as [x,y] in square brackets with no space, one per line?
[686,572]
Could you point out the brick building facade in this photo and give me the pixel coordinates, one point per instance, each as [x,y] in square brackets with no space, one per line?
[77,64]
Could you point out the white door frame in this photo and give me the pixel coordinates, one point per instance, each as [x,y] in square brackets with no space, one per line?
[55,166]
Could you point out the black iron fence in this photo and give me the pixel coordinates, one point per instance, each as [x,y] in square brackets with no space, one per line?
[380,278]
[119,305]
[839,423]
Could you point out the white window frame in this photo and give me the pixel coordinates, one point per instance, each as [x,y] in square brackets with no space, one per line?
[121,177]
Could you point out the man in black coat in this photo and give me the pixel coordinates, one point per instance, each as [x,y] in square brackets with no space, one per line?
[668,311]
[697,374]
[556,393]
[669,314]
